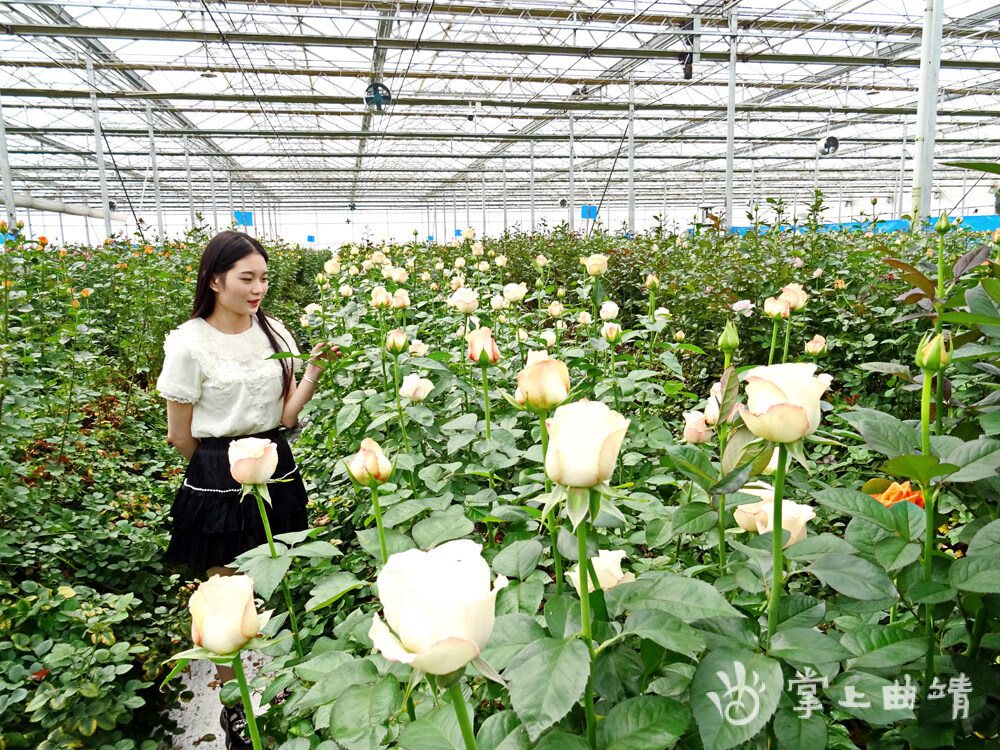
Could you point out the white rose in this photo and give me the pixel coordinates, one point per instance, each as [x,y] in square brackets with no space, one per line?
[759,516]
[369,465]
[439,604]
[584,440]
[549,337]
[415,387]
[543,383]
[345,290]
[609,311]
[608,566]
[515,292]
[223,615]
[418,348]
[783,401]
[464,300]
[252,460]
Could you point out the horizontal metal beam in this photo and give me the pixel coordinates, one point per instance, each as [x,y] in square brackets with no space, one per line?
[548,80]
[440,45]
[441,101]
[58,206]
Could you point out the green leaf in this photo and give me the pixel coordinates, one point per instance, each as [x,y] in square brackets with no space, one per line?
[883,432]
[882,646]
[557,739]
[333,685]
[986,541]
[977,459]
[983,304]
[462,423]
[978,166]
[442,527]
[643,723]
[357,720]
[541,702]
[511,633]
[523,596]
[321,665]
[518,559]
[618,673]
[971,319]
[806,646]
[347,416]
[796,732]
[816,546]
[394,542]
[733,694]
[854,504]
[666,630]
[852,576]
[266,572]
[686,598]
[314,550]
[733,481]
[330,589]
[694,518]
[694,464]
[980,574]
[867,690]
[502,731]
[895,553]
[919,467]
[438,729]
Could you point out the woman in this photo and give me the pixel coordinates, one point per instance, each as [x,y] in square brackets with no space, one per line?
[220,385]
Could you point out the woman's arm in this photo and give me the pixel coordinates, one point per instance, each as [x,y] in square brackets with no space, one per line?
[299,396]
[179,428]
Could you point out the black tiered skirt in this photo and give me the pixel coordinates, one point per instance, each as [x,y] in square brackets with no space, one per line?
[212,524]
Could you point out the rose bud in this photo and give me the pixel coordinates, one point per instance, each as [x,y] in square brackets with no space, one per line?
[415,387]
[252,460]
[369,465]
[223,615]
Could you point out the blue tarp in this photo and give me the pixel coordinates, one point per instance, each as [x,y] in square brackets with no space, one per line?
[974,223]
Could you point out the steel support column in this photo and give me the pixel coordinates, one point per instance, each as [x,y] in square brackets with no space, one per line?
[731,119]
[505,196]
[215,206]
[902,172]
[99,148]
[572,198]
[631,155]
[930,66]
[156,173]
[187,168]
[531,189]
[8,182]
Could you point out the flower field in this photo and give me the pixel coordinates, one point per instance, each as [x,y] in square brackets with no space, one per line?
[695,491]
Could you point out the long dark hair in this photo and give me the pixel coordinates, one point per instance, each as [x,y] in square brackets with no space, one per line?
[222,253]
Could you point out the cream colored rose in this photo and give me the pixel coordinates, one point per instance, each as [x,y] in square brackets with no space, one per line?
[556,308]
[759,516]
[776,307]
[584,318]
[415,387]
[313,309]
[400,275]
[696,429]
[483,266]
[418,348]
[497,302]
[714,404]
[609,311]
[652,282]
[482,347]
[464,300]
[396,341]
[425,276]
[783,401]
[439,606]
[381,298]
[500,261]
[223,615]
[543,383]
[345,290]
[548,336]
[477,250]
[597,265]
[795,295]
[378,257]
[515,292]
[608,566]
[584,440]
[816,346]
[401,299]
[252,460]
[369,465]
[387,271]
[459,262]
[611,332]
[332,267]
[468,233]
[541,261]
[353,271]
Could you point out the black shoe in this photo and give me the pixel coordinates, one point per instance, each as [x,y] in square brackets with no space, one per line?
[234,722]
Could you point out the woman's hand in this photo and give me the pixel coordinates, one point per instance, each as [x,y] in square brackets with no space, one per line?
[324,352]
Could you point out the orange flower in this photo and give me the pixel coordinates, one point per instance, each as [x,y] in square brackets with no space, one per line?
[84,292]
[897,493]
[62,253]
[149,248]
[43,241]
[76,303]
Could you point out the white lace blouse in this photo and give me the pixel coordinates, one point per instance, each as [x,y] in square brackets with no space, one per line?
[235,388]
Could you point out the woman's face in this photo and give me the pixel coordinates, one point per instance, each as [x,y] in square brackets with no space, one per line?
[243,286]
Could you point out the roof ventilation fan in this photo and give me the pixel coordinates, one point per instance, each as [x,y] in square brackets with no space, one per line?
[828,146]
[377,97]
[563,203]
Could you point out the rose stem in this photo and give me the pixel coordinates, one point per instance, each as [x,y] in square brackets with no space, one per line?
[778,537]
[458,701]
[241,679]
[284,577]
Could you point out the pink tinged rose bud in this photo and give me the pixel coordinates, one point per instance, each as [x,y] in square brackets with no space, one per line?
[332,267]
[483,266]
[584,440]
[816,346]
[438,607]
[369,465]
[817,273]
[313,309]
[252,460]
[549,337]
[381,298]
[543,383]
[679,336]
[418,348]
[497,302]
[353,271]
[585,318]
[387,272]
[612,332]
[477,250]
[839,284]
[482,347]
[459,262]
[401,299]
[795,295]
[759,517]
[500,261]
[798,263]
[609,311]
[541,261]
[515,292]
[714,404]
[464,300]
[345,290]
[415,388]
[783,401]
[776,307]
[555,308]
[696,429]
[597,265]
[652,282]
[396,342]
[744,306]
[223,615]
[400,275]
[367,265]
[608,566]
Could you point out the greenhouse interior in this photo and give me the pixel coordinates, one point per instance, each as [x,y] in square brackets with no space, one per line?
[504,375]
